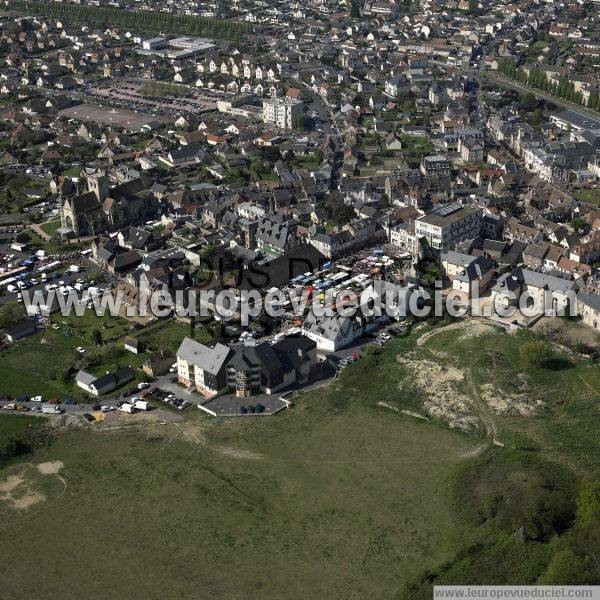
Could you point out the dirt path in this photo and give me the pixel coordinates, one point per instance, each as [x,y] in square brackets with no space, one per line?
[593,390]
[27,497]
[487,418]
[429,334]
[36,228]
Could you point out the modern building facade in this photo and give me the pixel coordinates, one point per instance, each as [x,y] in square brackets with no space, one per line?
[447,226]
[215,368]
[282,112]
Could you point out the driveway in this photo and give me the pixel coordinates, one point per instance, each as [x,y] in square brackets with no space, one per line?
[163,383]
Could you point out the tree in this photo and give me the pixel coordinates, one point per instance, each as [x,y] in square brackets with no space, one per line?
[22,238]
[63,374]
[96,337]
[10,314]
[577,560]
[536,353]
[528,102]
[579,224]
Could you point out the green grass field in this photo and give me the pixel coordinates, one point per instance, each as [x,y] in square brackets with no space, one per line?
[592,196]
[109,327]
[30,366]
[318,504]
[159,89]
[339,496]
[51,227]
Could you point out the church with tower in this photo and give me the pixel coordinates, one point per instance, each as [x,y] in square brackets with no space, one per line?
[100,208]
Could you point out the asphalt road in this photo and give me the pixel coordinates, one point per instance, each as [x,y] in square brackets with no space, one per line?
[539,94]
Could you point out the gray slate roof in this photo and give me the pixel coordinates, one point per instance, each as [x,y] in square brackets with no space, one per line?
[208,358]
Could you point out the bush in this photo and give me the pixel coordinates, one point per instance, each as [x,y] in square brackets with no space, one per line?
[536,353]
[516,490]
[10,314]
[23,237]
[63,374]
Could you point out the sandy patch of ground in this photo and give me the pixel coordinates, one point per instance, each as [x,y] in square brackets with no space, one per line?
[475,327]
[18,490]
[11,483]
[17,493]
[238,453]
[566,331]
[50,468]
[440,383]
[508,403]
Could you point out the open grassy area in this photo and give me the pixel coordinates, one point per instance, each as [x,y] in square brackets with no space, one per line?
[158,89]
[277,508]
[170,335]
[51,247]
[592,196]
[16,434]
[51,227]
[34,365]
[84,326]
[414,148]
[341,496]
[30,366]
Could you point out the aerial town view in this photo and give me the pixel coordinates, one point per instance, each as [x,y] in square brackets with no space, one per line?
[299,300]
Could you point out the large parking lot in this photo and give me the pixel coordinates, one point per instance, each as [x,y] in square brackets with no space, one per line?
[132,92]
[108,115]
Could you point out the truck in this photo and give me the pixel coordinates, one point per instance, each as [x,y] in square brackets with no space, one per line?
[74,268]
[141,405]
[126,408]
[51,409]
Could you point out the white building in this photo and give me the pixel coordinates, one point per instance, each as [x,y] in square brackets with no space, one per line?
[447,226]
[282,112]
